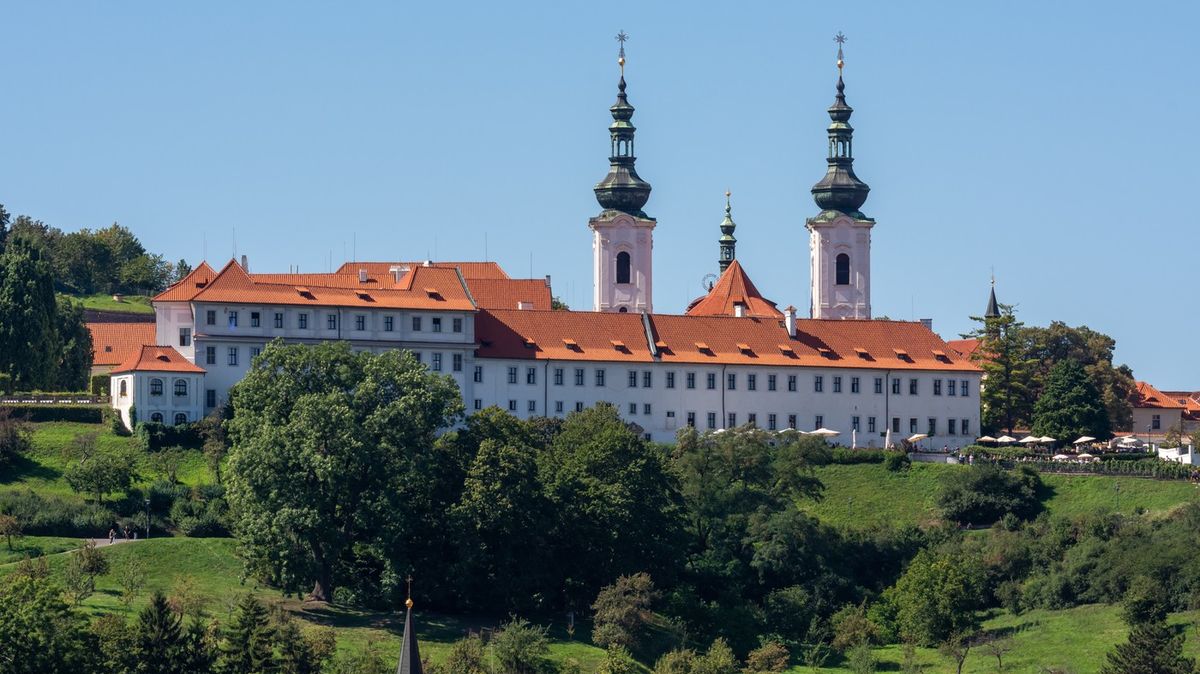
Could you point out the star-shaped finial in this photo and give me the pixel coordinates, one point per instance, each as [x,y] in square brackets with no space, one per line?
[621,37]
[839,38]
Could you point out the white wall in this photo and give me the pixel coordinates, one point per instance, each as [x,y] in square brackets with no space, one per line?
[612,235]
[169,319]
[826,241]
[138,394]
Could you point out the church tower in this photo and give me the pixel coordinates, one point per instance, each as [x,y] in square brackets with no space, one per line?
[840,235]
[727,243]
[622,235]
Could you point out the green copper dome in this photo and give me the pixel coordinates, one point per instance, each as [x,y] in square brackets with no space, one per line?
[841,190]
[622,190]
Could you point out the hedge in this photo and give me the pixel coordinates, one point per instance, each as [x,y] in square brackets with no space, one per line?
[87,414]
[53,516]
[100,384]
[1155,468]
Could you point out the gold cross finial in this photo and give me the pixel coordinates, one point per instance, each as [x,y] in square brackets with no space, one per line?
[840,39]
[621,37]
[408,603]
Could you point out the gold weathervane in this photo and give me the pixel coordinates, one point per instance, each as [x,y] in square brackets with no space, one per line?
[621,37]
[840,40]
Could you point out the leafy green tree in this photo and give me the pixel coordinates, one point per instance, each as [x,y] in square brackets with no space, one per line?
[100,474]
[861,659]
[16,437]
[718,659]
[617,660]
[679,661]
[1093,350]
[982,494]
[1146,600]
[157,640]
[466,656]
[936,598]
[74,363]
[1007,394]
[772,656]
[4,219]
[1070,406]
[131,575]
[852,627]
[10,528]
[29,342]
[39,632]
[328,446]
[180,270]
[297,655]
[248,646]
[520,647]
[1151,648]
[145,274]
[621,610]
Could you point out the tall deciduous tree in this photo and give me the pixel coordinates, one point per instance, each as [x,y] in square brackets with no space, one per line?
[1094,351]
[327,445]
[29,343]
[1070,406]
[75,358]
[1003,354]
[40,633]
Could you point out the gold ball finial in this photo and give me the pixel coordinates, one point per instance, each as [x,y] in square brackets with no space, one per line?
[408,603]
[728,194]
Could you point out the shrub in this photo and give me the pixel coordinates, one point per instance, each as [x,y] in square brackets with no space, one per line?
[621,610]
[896,461]
[521,647]
[100,384]
[770,657]
[847,456]
[852,627]
[52,516]
[85,414]
[15,437]
[981,494]
[6,383]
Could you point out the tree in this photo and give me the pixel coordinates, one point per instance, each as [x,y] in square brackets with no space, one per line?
[466,656]
[29,343]
[181,270]
[132,576]
[10,528]
[187,599]
[1003,354]
[617,660]
[145,274]
[1151,648]
[297,655]
[852,627]
[861,659]
[1145,601]
[936,598]
[248,648]
[16,437]
[327,445]
[718,659]
[557,304]
[157,640]
[1059,342]
[1070,406]
[621,610]
[997,647]
[100,474]
[78,583]
[4,219]
[772,656]
[982,494]
[40,632]
[956,647]
[520,647]
[75,356]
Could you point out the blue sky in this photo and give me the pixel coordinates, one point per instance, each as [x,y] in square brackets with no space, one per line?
[1053,142]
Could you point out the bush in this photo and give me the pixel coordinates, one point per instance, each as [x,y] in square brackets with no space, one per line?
[521,647]
[15,437]
[85,414]
[982,494]
[52,516]
[153,436]
[896,461]
[770,657]
[847,456]
[100,384]
[6,383]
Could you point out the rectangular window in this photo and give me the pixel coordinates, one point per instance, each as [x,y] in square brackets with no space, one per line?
[771,422]
[879,386]
[670,380]
[932,427]
[478,404]
[579,376]
[210,317]
[965,427]
[558,407]
[435,361]
[951,388]
[416,323]
[1156,422]
[819,422]
[417,355]
[951,427]
[690,380]
[731,422]
[646,408]
[512,375]
[712,420]
[710,381]
[360,322]
[751,382]
[331,322]
[456,325]
[895,424]
[437,323]
[531,375]
[647,379]
[895,387]
[512,406]
[302,321]
[185,336]
[478,374]
[752,419]
[233,319]
[389,323]
[599,376]
[731,381]
[578,407]
[837,384]
[870,424]
[210,397]
[912,424]
[912,387]
[558,376]
[456,362]
[255,319]
[255,351]
[633,408]
[855,424]
[792,421]
[854,384]
[278,320]
[792,383]
[937,387]
[771,379]
[818,384]
[532,406]
[633,379]
[233,356]
[965,388]
[210,355]
[691,419]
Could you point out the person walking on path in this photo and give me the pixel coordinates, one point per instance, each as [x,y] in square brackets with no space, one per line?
[126,533]
[112,536]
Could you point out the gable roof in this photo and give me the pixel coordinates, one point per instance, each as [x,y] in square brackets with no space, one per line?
[187,287]
[469,270]
[1146,396]
[964,347]
[561,335]
[421,288]
[157,359]
[113,343]
[507,293]
[733,288]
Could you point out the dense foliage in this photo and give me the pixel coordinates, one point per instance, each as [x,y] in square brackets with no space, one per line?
[982,494]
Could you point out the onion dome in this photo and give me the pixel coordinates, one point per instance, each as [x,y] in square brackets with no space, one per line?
[622,190]
[841,190]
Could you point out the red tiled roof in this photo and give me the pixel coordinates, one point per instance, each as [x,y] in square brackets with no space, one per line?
[186,288]
[234,285]
[734,287]
[113,343]
[561,335]
[1147,396]
[157,359]
[506,293]
[964,347]
[469,270]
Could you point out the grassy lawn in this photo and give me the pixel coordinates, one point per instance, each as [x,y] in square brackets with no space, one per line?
[132,304]
[865,495]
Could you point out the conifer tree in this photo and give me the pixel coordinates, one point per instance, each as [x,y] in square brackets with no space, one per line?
[1151,649]
[248,647]
[1070,406]
[157,640]
[29,344]
[1003,354]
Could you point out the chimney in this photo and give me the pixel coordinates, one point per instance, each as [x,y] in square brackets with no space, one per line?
[362,275]
[245,264]
[789,320]
[739,309]
[547,280]
[928,323]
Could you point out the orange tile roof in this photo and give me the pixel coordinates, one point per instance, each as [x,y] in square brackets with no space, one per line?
[506,293]
[734,287]
[561,335]
[234,285]
[113,343]
[187,287]
[157,359]
[1146,396]
[964,347]
[469,270]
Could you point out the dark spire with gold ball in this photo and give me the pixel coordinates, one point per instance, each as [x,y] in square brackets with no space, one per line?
[622,190]
[410,654]
[840,190]
[727,242]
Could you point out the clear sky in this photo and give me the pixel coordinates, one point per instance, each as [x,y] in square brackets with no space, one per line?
[1054,142]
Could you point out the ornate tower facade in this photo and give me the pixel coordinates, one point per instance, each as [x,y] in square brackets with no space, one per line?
[622,234]
[727,242]
[840,235]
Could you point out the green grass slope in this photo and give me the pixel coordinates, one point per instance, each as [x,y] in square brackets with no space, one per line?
[130,304]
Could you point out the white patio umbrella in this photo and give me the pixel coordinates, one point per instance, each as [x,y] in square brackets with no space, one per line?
[853,438]
[986,438]
[1061,457]
[1005,439]
[824,432]
[1086,457]
[1030,439]
[1130,441]
[917,437]
[887,439]
[1084,440]
[1047,439]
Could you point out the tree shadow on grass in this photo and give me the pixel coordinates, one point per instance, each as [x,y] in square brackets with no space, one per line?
[24,468]
[432,626]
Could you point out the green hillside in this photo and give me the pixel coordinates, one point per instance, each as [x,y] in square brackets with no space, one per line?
[130,304]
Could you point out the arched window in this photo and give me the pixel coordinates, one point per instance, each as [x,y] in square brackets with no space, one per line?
[622,267]
[124,388]
[155,387]
[623,310]
[180,387]
[156,417]
[180,418]
[843,269]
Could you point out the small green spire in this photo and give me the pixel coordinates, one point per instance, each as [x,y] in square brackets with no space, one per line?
[727,242]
